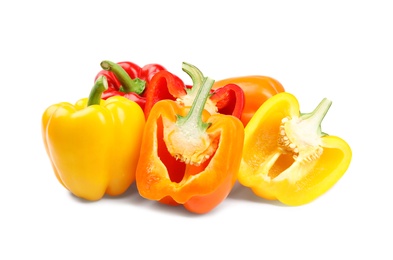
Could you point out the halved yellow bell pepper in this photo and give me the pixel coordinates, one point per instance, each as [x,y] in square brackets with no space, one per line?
[94,145]
[286,157]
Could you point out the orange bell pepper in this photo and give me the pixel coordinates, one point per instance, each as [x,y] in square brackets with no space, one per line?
[188,156]
[287,157]
[257,89]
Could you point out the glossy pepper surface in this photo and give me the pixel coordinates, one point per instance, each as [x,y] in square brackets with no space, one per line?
[94,145]
[188,156]
[228,99]
[286,157]
[128,79]
[257,89]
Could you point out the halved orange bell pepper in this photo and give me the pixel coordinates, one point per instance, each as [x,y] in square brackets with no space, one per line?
[188,156]
[257,89]
[93,146]
[286,157]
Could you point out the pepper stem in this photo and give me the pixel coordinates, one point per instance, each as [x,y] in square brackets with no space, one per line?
[204,85]
[196,76]
[128,85]
[100,85]
[187,139]
[314,119]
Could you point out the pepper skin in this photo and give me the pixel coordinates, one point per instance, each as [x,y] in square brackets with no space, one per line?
[228,99]
[164,85]
[128,79]
[286,157]
[188,156]
[257,89]
[94,145]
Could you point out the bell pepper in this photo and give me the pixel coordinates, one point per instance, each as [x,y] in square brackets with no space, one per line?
[228,99]
[257,89]
[286,156]
[128,79]
[94,145]
[188,156]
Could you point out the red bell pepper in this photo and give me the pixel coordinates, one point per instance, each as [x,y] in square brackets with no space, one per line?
[228,99]
[128,79]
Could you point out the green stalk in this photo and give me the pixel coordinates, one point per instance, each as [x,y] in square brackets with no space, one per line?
[204,84]
[314,119]
[99,87]
[128,85]
[196,76]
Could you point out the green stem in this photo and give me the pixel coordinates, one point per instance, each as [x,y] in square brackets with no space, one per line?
[128,85]
[314,119]
[204,85]
[196,76]
[99,87]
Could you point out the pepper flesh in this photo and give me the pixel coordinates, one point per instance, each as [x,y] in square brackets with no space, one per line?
[257,89]
[188,156]
[93,146]
[286,157]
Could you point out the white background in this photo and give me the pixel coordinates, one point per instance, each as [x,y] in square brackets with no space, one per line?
[51,51]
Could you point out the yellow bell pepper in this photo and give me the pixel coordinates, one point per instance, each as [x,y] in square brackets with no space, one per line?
[286,157]
[94,145]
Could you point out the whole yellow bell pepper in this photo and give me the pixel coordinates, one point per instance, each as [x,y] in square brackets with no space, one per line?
[286,157]
[94,145]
